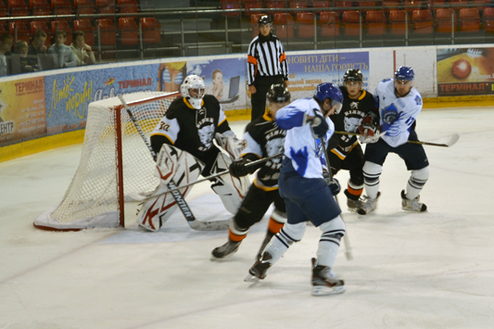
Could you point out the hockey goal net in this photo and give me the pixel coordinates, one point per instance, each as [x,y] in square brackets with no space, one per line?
[115,162]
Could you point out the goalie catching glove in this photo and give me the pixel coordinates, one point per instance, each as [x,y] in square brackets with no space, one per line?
[369,129]
[318,126]
[239,168]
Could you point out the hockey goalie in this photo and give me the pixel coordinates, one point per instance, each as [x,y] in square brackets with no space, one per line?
[185,140]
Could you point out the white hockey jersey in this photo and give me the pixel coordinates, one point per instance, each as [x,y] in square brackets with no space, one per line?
[305,152]
[397,114]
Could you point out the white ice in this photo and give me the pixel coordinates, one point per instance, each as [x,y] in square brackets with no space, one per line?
[410,270]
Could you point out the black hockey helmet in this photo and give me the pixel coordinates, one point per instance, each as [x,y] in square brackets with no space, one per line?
[353,75]
[264,19]
[278,93]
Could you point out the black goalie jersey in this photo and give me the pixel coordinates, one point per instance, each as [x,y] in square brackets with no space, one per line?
[190,129]
[264,138]
[349,118]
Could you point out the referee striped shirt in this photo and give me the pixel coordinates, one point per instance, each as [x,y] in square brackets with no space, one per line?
[266,59]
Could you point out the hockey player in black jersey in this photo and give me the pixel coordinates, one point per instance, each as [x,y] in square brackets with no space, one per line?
[264,138]
[345,151]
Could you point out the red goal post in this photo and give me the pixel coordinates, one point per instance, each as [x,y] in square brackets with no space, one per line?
[115,164]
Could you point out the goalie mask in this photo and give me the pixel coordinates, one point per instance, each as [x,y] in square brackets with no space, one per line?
[193,90]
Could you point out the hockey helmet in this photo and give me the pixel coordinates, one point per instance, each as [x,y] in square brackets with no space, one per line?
[278,93]
[264,19]
[404,73]
[331,91]
[193,90]
[353,75]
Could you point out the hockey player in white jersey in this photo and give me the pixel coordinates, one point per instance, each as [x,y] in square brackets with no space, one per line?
[308,197]
[399,104]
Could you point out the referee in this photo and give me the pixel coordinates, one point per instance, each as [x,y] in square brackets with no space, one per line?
[266,64]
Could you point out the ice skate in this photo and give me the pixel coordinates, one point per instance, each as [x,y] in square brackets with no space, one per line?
[412,205]
[368,204]
[265,242]
[353,205]
[258,270]
[324,281]
[226,250]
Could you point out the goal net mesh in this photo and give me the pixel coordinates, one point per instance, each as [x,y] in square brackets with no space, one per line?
[92,199]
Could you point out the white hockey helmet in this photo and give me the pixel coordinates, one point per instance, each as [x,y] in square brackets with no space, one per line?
[193,90]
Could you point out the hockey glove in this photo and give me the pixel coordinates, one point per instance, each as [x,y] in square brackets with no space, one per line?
[333,183]
[369,129]
[238,168]
[318,126]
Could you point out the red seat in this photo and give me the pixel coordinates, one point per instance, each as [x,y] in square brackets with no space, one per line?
[105,6]
[366,4]
[18,8]
[457,4]
[489,20]
[40,8]
[61,7]
[351,23]
[151,30]
[398,22]
[129,31]
[330,24]
[3,10]
[411,5]
[479,4]
[84,7]
[284,25]
[253,24]
[298,5]
[85,26]
[107,32]
[445,20]
[19,31]
[251,4]
[274,4]
[343,4]
[376,22]
[422,22]
[128,7]
[41,25]
[228,5]
[320,5]
[64,26]
[305,22]
[389,5]
[469,20]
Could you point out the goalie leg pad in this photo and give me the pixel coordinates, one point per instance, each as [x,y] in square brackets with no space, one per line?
[329,243]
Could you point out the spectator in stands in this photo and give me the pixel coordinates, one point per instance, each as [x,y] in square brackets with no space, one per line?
[27,63]
[61,53]
[37,51]
[5,46]
[82,51]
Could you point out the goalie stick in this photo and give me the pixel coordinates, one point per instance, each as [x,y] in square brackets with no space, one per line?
[177,196]
[452,140]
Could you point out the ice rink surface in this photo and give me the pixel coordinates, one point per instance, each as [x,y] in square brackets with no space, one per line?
[410,270]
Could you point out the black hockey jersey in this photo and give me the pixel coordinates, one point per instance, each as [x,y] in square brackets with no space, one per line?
[264,138]
[190,129]
[349,118]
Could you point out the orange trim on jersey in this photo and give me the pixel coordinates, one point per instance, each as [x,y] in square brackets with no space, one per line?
[264,188]
[355,192]
[274,227]
[234,237]
[164,135]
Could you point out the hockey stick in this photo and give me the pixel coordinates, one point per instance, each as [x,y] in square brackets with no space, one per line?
[346,240]
[184,207]
[248,164]
[452,141]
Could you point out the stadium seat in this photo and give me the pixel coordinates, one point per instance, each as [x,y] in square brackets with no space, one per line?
[253,24]
[128,7]
[398,22]
[298,5]
[64,26]
[105,6]
[129,31]
[376,22]
[343,4]
[479,4]
[469,20]
[351,23]
[84,7]
[445,20]
[284,25]
[3,10]
[251,4]
[389,5]
[228,5]
[422,22]
[61,7]
[18,8]
[366,4]
[151,30]
[488,18]
[458,4]
[305,23]
[320,5]
[40,8]
[41,25]
[330,24]
[274,4]
[411,5]
[85,26]
[20,31]
[107,31]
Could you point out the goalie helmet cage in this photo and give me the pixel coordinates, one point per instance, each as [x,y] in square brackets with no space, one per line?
[115,163]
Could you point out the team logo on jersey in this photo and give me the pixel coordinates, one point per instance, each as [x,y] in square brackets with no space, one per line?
[274,146]
[390,114]
[206,134]
[354,105]
[418,100]
[351,123]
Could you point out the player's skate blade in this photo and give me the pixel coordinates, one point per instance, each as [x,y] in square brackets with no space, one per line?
[326,291]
